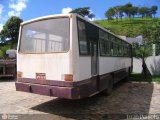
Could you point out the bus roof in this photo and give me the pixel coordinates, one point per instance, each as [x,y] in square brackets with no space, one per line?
[45,17]
[69,15]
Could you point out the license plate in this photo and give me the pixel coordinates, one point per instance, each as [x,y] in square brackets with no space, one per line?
[41,76]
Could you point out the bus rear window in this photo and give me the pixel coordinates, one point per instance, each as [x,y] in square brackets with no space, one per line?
[45,36]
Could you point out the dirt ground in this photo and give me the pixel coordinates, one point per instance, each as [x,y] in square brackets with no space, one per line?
[127,99]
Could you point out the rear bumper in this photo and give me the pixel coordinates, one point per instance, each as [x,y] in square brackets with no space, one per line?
[62,89]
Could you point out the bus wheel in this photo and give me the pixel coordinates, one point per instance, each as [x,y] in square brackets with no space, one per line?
[127,78]
[108,91]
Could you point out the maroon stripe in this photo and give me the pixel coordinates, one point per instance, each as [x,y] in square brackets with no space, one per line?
[86,89]
[54,82]
[69,90]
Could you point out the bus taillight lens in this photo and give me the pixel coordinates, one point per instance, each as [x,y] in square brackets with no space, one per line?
[68,77]
[19,74]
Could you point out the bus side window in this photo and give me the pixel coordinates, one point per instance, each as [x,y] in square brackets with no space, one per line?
[104,43]
[82,37]
[112,48]
[125,50]
[113,45]
[119,48]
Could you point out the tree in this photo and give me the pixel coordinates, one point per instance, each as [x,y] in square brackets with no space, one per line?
[130,11]
[142,11]
[151,32]
[91,16]
[121,12]
[133,11]
[142,52]
[3,50]
[110,13]
[2,37]
[127,9]
[116,12]
[154,10]
[149,12]
[145,12]
[84,12]
[10,30]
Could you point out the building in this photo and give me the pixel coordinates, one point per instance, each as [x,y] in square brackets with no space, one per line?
[138,39]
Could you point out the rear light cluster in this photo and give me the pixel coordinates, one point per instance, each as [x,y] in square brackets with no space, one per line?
[68,77]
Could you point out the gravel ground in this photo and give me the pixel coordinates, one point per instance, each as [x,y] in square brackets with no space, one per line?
[127,99]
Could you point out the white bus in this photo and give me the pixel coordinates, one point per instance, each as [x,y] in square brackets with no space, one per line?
[67,56]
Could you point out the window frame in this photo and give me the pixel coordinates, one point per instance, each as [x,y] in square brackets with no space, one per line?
[88,43]
[117,41]
[21,29]
[105,41]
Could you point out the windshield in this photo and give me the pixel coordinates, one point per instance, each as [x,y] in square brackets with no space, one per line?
[45,36]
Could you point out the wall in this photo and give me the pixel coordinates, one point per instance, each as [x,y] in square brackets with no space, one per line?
[153,64]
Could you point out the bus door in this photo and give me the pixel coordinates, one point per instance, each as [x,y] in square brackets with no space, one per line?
[94,58]
[93,36]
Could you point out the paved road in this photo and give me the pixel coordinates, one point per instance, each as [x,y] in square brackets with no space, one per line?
[127,98]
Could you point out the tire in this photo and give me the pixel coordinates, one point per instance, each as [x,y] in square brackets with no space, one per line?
[127,78]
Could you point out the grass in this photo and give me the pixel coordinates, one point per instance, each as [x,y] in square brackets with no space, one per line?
[140,78]
[130,28]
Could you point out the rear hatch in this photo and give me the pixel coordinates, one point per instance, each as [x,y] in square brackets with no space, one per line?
[43,48]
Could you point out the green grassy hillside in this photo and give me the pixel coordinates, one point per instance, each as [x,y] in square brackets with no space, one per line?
[130,28]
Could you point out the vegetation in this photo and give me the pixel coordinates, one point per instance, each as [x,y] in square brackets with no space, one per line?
[9,34]
[132,25]
[148,27]
[3,50]
[10,30]
[129,25]
[139,77]
[84,12]
[142,52]
[133,28]
[129,11]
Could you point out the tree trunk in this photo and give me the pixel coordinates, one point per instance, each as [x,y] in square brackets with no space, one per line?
[144,66]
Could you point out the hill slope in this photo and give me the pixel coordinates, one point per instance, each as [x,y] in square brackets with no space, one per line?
[130,28]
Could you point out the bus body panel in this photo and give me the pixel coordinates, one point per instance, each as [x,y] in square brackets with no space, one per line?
[84,68]
[53,65]
[73,48]
[111,64]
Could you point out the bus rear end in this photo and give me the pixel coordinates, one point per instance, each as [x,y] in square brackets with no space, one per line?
[44,59]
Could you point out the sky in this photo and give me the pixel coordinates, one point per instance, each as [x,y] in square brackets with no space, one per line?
[29,9]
